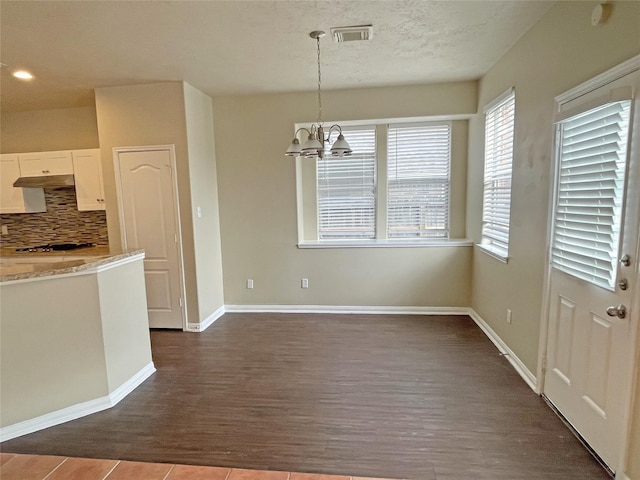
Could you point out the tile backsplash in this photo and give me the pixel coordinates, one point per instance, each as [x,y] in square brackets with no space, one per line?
[61,223]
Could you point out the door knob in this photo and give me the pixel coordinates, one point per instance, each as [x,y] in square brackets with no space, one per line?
[620,311]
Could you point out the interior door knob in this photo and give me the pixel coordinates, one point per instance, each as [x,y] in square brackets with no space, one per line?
[620,311]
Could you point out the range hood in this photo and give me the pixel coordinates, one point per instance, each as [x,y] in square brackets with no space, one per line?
[46,181]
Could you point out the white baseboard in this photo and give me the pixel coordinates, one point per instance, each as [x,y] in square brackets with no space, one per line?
[502,347]
[345,309]
[130,385]
[78,410]
[202,326]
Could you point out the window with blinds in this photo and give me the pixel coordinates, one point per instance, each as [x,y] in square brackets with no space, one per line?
[593,156]
[498,159]
[418,165]
[346,188]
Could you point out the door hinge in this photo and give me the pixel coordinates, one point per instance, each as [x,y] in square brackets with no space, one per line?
[180,302]
[175,237]
[544,364]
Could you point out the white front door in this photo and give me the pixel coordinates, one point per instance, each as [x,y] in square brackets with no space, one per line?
[593,273]
[148,202]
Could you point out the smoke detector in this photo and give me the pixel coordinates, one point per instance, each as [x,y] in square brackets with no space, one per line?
[352,34]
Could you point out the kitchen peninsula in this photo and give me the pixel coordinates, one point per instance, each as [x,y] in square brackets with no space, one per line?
[74,336]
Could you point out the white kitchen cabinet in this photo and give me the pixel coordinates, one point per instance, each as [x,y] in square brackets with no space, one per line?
[45,163]
[17,200]
[87,169]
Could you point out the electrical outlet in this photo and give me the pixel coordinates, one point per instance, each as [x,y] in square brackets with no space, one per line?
[250,283]
[508,315]
[304,283]
[5,230]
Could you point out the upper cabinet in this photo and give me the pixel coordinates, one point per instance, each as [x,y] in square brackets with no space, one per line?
[45,163]
[87,169]
[84,165]
[17,200]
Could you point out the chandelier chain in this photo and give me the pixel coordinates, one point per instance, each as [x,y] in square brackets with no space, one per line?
[319,84]
[314,146]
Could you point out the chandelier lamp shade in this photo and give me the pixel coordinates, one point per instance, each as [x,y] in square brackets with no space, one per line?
[313,146]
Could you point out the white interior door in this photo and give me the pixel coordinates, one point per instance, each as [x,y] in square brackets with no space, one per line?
[148,201]
[593,274]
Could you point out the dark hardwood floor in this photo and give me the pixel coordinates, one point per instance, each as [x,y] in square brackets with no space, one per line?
[415,397]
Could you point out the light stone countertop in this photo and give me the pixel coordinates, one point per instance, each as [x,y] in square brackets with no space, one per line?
[30,265]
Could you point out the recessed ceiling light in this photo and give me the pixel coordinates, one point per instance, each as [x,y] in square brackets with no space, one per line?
[22,75]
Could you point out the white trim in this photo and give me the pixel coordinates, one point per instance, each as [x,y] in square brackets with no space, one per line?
[504,349]
[346,309]
[202,326]
[377,121]
[486,249]
[51,275]
[614,95]
[499,99]
[130,385]
[385,243]
[622,476]
[601,80]
[78,410]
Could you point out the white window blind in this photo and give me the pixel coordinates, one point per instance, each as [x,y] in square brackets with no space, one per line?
[593,155]
[418,164]
[498,160]
[346,188]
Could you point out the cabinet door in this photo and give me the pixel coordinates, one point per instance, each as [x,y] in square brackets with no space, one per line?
[45,163]
[87,169]
[17,200]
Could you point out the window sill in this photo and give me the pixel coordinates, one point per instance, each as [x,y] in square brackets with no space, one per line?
[492,253]
[453,242]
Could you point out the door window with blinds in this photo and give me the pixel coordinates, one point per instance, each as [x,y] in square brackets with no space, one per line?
[418,165]
[346,188]
[592,149]
[498,161]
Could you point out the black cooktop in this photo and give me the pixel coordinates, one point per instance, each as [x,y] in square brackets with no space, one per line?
[54,247]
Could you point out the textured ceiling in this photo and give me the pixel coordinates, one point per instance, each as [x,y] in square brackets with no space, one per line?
[243,47]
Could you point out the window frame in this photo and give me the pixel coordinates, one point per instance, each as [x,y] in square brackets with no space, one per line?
[306,189]
[328,156]
[493,106]
[447,223]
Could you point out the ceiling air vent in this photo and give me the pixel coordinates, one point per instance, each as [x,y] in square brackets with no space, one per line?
[352,34]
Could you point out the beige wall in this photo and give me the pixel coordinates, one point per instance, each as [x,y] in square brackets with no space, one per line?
[44,130]
[125,322]
[204,194]
[84,337]
[257,189]
[560,52]
[145,115]
[156,114]
[50,359]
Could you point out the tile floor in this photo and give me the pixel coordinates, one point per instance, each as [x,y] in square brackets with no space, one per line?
[41,467]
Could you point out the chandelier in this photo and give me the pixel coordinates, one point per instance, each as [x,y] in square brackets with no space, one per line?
[313,147]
